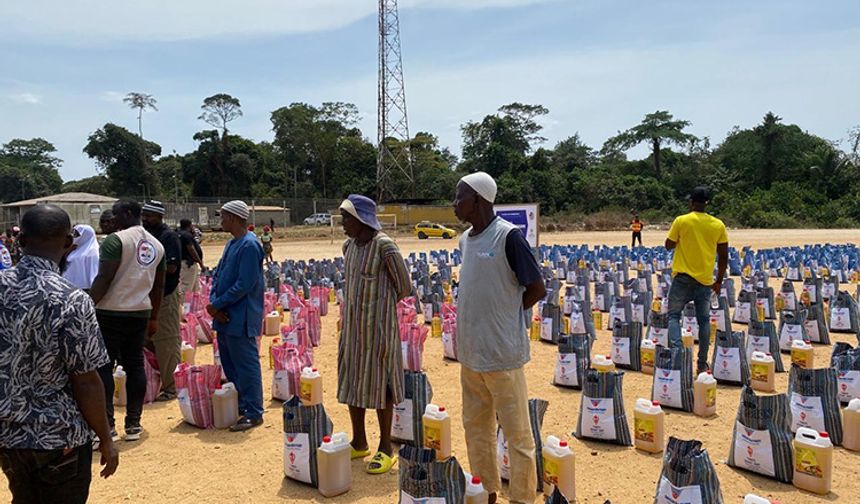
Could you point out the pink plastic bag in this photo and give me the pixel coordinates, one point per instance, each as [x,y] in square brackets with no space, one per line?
[190,330]
[319,299]
[153,376]
[406,311]
[298,336]
[204,331]
[289,360]
[412,337]
[311,317]
[449,336]
[194,388]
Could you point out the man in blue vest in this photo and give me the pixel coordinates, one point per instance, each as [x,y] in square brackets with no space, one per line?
[236,306]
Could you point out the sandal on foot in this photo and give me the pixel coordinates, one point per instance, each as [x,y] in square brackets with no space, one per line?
[380,463]
[358,454]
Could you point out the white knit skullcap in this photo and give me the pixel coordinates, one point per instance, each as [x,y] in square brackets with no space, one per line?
[483,184]
[237,208]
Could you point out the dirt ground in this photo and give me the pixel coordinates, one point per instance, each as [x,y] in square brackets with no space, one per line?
[178,463]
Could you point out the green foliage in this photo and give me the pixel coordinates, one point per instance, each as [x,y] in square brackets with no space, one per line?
[97,184]
[28,169]
[126,160]
[657,129]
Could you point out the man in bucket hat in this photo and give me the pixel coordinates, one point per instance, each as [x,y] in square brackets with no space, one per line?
[370,361]
[697,238]
[236,306]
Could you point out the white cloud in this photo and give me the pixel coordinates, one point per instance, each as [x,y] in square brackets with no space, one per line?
[112,96]
[100,20]
[28,98]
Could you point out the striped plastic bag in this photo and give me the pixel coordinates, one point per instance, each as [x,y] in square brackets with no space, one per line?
[843,313]
[744,308]
[288,360]
[412,338]
[764,296]
[846,361]
[626,343]
[424,480]
[729,361]
[673,378]
[829,288]
[621,310]
[789,298]
[688,475]
[719,312]
[641,306]
[814,402]
[791,327]
[658,328]
[816,324]
[304,430]
[153,376]
[557,498]
[811,292]
[581,321]
[728,291]
[537,410]
[601,410]
[194,388]
[574,357]
[762,440]
[407,425]
[761,337]
[690,321]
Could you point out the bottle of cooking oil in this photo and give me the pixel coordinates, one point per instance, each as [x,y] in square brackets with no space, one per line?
[813,461]
[437,431]
[558,468]
[648,418]
[705,395]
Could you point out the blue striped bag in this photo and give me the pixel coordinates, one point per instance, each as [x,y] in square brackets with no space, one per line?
[789,297]
[641,306]
[574,357]
[537,410]
[556,498]
[816,325]
[843,314]
[621,310]
[626,345]
[658,328]
[601,410]
[764,295]
[304,429]
[689,320]
[673,378]
[728,291]
[846,361]
[761,337]
[729,361]
[719,312]
[745,308]
[424,480]
[583,287]
[407,424]
[603,296]
[829,288]
[762,439]
[791,327]
[812,286]
[581,321]
[813,401]
[688,475]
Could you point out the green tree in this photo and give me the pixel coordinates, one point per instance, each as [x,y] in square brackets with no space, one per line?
[97,184]
[500,142]
[769,133]
[657,129]
[28,169]
[125,159]
[220,109]
[141,102]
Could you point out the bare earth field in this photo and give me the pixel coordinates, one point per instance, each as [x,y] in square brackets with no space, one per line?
[178,463]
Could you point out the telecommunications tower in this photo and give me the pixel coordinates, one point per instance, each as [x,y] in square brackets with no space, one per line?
[393,166]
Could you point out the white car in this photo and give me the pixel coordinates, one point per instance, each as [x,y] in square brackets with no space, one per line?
[318,219]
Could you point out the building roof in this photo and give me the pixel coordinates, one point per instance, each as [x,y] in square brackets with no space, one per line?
[72,197]
[264,208]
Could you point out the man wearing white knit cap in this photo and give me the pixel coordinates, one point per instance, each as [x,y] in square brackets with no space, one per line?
[236,306]
[499,280]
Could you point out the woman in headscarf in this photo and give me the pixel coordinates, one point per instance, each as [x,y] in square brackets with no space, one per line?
[82,264]
[370,364]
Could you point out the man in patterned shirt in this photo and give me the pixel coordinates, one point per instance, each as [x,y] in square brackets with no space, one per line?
[51,394]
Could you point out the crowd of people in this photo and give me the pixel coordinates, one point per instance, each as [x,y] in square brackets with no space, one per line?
[72,308]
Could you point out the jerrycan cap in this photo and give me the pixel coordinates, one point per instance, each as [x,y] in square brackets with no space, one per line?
[476,480]
[823,434]
[326,439]
[562,444]
[656,404]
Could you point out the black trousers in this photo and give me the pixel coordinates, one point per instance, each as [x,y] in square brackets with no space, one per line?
[48,476]
[636,235]
[123,338]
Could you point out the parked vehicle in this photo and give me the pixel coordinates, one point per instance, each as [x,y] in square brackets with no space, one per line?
[424,230]
[318,219]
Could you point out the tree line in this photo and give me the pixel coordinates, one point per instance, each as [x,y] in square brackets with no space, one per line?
[770,175]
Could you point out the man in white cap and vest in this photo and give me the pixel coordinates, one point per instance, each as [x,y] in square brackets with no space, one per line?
[127,292]
[499,280]
[236,306]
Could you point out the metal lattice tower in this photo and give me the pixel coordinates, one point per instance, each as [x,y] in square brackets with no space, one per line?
[392,122]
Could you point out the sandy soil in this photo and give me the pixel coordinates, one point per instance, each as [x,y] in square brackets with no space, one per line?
[178,463]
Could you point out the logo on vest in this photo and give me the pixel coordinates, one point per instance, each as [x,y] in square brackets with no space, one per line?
[146,253]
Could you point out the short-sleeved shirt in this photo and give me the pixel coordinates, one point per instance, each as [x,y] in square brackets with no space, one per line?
[186,239]
[48,332]
[172,256]
[521,259]
[697,235]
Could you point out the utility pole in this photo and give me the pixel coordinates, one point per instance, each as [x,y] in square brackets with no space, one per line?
[392,121]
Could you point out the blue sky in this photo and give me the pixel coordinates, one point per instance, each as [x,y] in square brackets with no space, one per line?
[598,66]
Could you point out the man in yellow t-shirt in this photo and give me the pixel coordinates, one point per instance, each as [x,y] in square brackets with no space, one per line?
[697,239]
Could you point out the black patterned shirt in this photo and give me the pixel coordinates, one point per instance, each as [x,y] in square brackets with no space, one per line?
[48,332]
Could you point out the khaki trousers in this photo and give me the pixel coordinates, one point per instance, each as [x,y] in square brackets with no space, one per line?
[188,276]
[166,341]
[502,393]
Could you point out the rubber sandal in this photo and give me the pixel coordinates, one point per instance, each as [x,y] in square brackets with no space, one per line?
[383,463]
[356,454]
